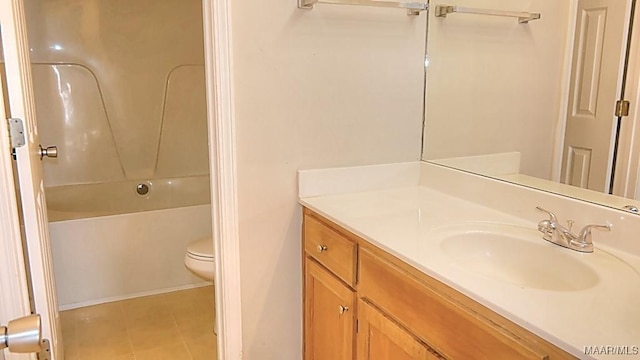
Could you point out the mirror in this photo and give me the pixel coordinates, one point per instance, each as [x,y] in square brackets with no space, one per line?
[534,103]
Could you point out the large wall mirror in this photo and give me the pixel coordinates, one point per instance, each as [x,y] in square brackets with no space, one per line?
[535,103]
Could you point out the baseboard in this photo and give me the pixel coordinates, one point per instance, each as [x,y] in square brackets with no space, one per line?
[132,296]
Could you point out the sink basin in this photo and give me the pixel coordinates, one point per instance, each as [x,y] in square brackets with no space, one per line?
[518,256]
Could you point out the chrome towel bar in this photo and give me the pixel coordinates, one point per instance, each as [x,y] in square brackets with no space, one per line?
[523,17]
[413,8]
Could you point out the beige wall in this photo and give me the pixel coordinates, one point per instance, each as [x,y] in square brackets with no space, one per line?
[494,85]
[333,86]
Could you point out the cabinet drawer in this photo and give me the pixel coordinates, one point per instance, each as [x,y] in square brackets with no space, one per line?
[454,331]
[331,249]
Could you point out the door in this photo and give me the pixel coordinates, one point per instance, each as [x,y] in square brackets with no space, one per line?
[379,338]
[14,297]
[596,81]
[29,180]
[329,316]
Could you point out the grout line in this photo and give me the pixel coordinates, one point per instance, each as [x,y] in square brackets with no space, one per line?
[126,328]
[182,337]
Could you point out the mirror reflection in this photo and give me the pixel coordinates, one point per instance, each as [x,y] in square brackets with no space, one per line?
[537,103]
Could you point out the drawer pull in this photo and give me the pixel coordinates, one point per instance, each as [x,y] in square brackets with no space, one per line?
[322,248]
[342,309]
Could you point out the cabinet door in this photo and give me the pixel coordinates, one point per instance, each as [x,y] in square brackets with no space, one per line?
[380,338]
[329,321]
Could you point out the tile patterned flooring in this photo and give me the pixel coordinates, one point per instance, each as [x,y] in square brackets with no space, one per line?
[176,326]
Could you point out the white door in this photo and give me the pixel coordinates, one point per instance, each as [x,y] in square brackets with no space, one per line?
[14,297]
[596,81]
[30,181]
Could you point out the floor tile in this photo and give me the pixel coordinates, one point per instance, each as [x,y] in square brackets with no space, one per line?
[149,337]
[165,352]
[203,347]
[177,325]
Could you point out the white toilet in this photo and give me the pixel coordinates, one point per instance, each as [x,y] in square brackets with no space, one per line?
[199,258]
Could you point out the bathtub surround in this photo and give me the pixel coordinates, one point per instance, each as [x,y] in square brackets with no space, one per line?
[121,95]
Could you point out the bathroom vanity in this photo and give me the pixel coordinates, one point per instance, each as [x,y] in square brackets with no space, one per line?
[391,310]
[402,269]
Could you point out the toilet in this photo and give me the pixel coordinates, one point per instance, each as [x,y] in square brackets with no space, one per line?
[199,258]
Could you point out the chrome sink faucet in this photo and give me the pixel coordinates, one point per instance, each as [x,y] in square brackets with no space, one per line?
[557,234]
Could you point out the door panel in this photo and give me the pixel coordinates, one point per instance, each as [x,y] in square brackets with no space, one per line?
[379,338]
[329,318]
[14,297]
[579,166]
[596,82]
[30,180]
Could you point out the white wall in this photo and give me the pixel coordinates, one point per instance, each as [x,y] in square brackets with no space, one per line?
[494,85]
[334,86]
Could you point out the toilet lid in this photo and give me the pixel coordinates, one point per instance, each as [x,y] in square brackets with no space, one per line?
[201,248]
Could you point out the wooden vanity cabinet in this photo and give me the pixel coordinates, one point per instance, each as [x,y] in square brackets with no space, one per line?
[329,315]
[329,261]
[364,303]
[380,338]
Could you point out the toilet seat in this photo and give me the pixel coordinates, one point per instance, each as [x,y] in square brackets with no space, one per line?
[199,258]
[201,249]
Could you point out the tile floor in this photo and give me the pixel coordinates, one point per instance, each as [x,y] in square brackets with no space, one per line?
[176,326]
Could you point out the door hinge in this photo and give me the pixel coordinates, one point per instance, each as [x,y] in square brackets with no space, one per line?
[622,108]
[45,353]
[16,134]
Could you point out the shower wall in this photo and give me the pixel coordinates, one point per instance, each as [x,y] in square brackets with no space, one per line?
[119,88]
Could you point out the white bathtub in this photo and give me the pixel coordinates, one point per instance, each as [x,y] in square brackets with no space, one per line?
[109,243]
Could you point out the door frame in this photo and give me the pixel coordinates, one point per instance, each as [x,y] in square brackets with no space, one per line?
[626,180]
[222,158]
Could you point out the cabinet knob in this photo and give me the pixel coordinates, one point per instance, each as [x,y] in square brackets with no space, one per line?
[342,309]
[322,248]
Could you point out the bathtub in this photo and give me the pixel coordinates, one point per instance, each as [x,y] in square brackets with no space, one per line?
[110,243]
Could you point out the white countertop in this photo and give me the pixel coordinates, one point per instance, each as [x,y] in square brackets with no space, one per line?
[405,221]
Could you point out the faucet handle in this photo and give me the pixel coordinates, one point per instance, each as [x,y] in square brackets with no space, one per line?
[583,242]
[552,217]
[585,234]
